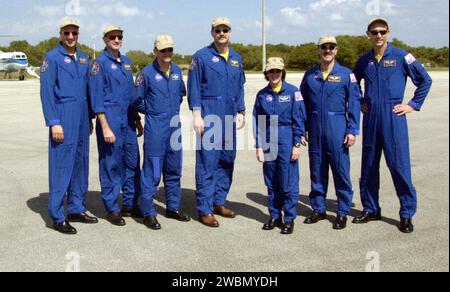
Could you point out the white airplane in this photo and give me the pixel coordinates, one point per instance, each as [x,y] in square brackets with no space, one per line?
[16,62]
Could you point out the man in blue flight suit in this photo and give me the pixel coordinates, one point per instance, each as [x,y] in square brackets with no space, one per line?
[332,99]
[385,71]
[216,97]
[279,108]
[111,87]
[64,95]
[160,90]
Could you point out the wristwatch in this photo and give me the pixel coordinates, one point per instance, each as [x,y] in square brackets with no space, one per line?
[298,145]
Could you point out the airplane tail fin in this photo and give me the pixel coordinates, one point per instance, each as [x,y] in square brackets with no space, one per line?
[32,72]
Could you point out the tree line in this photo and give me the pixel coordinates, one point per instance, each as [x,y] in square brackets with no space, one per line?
[297,58]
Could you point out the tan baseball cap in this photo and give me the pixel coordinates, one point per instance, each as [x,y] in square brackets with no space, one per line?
[68,22]
[382,20]
[221,21]
[327,40]
[164,42]
[111,27]
[274,63]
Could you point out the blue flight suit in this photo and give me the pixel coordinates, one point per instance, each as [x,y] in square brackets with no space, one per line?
[333,109]
[64,95]
[159,97]
[216,87]
[111,89]
[383,130]
[281,174]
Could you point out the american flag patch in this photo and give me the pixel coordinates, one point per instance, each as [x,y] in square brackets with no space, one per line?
[298,96]
[410,59]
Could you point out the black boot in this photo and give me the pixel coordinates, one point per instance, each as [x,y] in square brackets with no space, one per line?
[272,224]
[65,228]
[287,228]
[152,223]
[406,225]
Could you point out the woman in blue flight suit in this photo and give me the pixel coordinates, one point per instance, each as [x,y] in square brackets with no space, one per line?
[279,113]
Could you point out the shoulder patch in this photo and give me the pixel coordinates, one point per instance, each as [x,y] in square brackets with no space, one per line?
[139,79]
[298,96]
[95,69]
[410,59]
[44,66]
[353,78]
[193,64]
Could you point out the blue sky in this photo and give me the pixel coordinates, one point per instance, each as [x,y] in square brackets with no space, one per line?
[419,22]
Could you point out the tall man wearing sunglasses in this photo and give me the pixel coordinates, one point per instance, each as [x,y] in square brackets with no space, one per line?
[160,91]
[385,71]
[64,95]
[332,100]
[216,96]
[111,88]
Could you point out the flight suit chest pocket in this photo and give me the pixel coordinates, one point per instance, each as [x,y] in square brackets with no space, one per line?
[370,72]
[390,67]
[214,72]
[116,74]
[66,80]
[284,104]
[266,104]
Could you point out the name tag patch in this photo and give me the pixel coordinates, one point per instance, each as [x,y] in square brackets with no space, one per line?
[83,61]
[175,77]
[335,79]
[286,98]
[235,63]
[128,67]
[390,63]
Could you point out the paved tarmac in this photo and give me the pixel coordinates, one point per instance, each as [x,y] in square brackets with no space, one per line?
[28,244]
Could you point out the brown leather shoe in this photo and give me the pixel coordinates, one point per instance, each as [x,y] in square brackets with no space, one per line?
[209,220]
[224,212]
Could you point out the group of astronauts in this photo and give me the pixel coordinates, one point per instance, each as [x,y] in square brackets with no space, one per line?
[323,114]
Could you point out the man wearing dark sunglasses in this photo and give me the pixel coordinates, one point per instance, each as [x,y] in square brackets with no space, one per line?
[159,93]
[385,71]
[216,92]
[111,90]
[332,100]
[64,88]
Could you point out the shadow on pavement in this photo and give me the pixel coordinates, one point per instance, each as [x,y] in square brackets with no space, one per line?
[304,208]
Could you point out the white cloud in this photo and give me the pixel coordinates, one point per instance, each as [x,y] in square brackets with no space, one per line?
[125,10]
[269,23]
[49,11]
[294,15]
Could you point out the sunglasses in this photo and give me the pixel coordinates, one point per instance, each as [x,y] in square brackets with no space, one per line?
[114,37]
[376,32]
[328,47]
[67,33]
[275,71]
[218,31]
[168,50]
